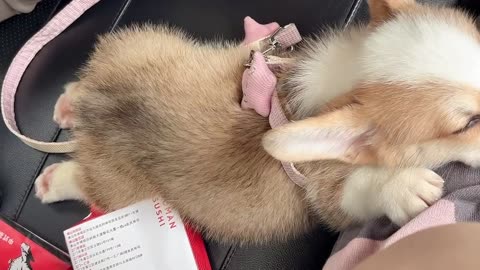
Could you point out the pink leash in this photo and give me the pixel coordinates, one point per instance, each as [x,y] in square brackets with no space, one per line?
[20,63]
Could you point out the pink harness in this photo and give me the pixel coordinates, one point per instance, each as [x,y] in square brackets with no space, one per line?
[258,81]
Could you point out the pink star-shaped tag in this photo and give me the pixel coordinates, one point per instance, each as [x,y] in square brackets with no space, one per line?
[258,82]
[255,31]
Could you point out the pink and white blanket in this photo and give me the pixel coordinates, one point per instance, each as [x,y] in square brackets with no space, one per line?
[461,203]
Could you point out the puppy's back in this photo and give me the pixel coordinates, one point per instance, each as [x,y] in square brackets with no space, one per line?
[160,116]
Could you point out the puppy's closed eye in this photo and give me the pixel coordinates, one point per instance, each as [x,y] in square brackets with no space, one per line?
[474,120]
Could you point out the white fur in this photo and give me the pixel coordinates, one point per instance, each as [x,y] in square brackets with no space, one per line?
[308,144]
[335,137]
[57,183]
[436,153]
[468,154]
[403,50]
[329,69]
[371,192]
[421,49]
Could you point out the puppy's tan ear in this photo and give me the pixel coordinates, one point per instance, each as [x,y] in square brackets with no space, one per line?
[340,135]
[382,10]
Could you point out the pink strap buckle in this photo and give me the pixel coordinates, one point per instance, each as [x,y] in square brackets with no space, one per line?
[284,37]
[288,36]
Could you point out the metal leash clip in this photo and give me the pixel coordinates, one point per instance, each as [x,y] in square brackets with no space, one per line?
[273,42]
[291,36]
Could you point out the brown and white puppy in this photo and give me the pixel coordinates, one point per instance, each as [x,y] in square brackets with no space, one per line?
[376,107]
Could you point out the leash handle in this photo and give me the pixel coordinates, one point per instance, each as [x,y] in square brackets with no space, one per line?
[52,29]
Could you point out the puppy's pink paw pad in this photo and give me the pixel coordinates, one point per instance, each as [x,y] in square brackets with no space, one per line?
[63,113]
[43,181]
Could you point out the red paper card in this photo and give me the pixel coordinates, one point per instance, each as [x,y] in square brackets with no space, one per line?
[21,249]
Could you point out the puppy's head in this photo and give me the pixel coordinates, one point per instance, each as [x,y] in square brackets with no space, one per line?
[420,69]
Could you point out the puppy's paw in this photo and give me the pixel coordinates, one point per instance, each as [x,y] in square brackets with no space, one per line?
[471,158]
[409,193]
[63,112]
[56,183]
[43,184]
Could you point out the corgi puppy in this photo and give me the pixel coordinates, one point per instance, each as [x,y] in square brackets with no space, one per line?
[374,109]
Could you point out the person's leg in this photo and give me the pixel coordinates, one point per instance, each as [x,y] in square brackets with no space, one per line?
[8,8]
[446,247]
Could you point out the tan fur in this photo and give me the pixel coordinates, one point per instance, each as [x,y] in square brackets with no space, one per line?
[158,114]
[405,116]
[455,17]
[145,129]
[382,11]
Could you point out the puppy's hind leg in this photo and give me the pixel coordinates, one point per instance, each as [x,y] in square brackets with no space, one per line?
[63,113]
[58,182]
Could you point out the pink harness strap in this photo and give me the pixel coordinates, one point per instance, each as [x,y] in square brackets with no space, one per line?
[276,119]
[259,82]
[20,63]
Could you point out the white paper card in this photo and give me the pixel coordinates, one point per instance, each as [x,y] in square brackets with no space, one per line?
[148,235]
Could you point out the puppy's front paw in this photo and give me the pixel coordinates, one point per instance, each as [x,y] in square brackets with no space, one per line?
[410,192]
[63,113]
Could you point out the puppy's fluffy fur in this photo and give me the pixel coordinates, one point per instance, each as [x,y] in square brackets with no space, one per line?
[376,107]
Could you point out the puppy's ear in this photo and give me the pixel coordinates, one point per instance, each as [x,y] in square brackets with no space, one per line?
[382,10]
[341,135]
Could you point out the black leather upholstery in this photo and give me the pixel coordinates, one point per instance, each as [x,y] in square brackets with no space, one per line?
[57,62]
